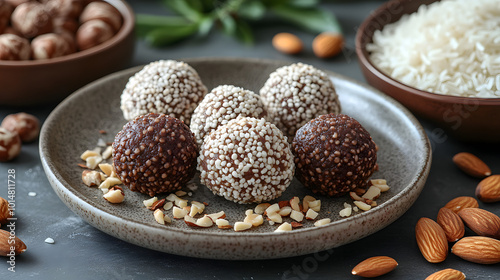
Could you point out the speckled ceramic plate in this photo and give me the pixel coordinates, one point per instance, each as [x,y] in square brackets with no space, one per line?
[404,158]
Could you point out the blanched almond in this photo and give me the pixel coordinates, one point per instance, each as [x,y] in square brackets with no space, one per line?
[295,203]
[159,216]
[311,214]
[284,227]
[297,216]
[217,216]
[179,213]
[254,219]
[261,208]
[322,222]
[242,226]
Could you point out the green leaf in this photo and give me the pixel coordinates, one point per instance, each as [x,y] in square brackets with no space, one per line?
[304,3]
[312,19]
[244,32]
[168,35]
[253,10]
[205,25]
[228,24]
[190,9]
[145,23]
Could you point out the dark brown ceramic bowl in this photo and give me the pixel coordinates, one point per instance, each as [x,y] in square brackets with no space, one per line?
[465,118]
[28,83]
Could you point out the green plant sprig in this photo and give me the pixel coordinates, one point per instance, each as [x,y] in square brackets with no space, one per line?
[234,17]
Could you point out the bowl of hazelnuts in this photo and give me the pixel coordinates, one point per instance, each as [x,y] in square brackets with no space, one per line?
[50,48]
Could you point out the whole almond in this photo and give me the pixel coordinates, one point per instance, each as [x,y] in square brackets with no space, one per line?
[478,249]
[451,223]
[7,243]
[471,165]
[375,266]
[482,222]
[5,214]
[446,274]
[462,202]
[431,240]
[488,190]
[328,44]
[287,43]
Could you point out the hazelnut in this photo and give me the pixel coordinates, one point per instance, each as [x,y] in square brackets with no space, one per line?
[10,145]
[64,8]
[93,33]
[5,12]
[15,3]
[25,125]
[50,45]
[103,11]
[13,47]
[31,19]
[5,212]
[11,30]
[61,24]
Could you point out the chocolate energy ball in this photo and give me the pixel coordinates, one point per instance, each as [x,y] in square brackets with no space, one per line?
[155,153]
[10,144]
[247,160]
[295,94]
[165,86]
[221,105]
[334,154]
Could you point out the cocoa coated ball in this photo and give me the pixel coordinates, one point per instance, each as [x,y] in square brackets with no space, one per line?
[155,153]
[334,154]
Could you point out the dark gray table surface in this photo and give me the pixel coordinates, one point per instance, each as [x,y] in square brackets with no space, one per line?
[83,252]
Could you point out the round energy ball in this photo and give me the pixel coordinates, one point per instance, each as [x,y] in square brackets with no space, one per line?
[247,160]
[155,153]
[221,105]
[334,154]
[295,94]
[164,87]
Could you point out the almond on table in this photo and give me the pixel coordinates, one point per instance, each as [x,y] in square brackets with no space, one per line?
[481,221]
[431,240]
[375,266]
[488,190]
[462,202]
[446,274]
[471,165]
[451,223]
[478,249]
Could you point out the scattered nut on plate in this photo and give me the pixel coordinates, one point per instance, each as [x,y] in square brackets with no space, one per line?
[287,214]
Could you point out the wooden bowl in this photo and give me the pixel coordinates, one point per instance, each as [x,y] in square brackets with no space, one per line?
[465,118]
[35,82]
